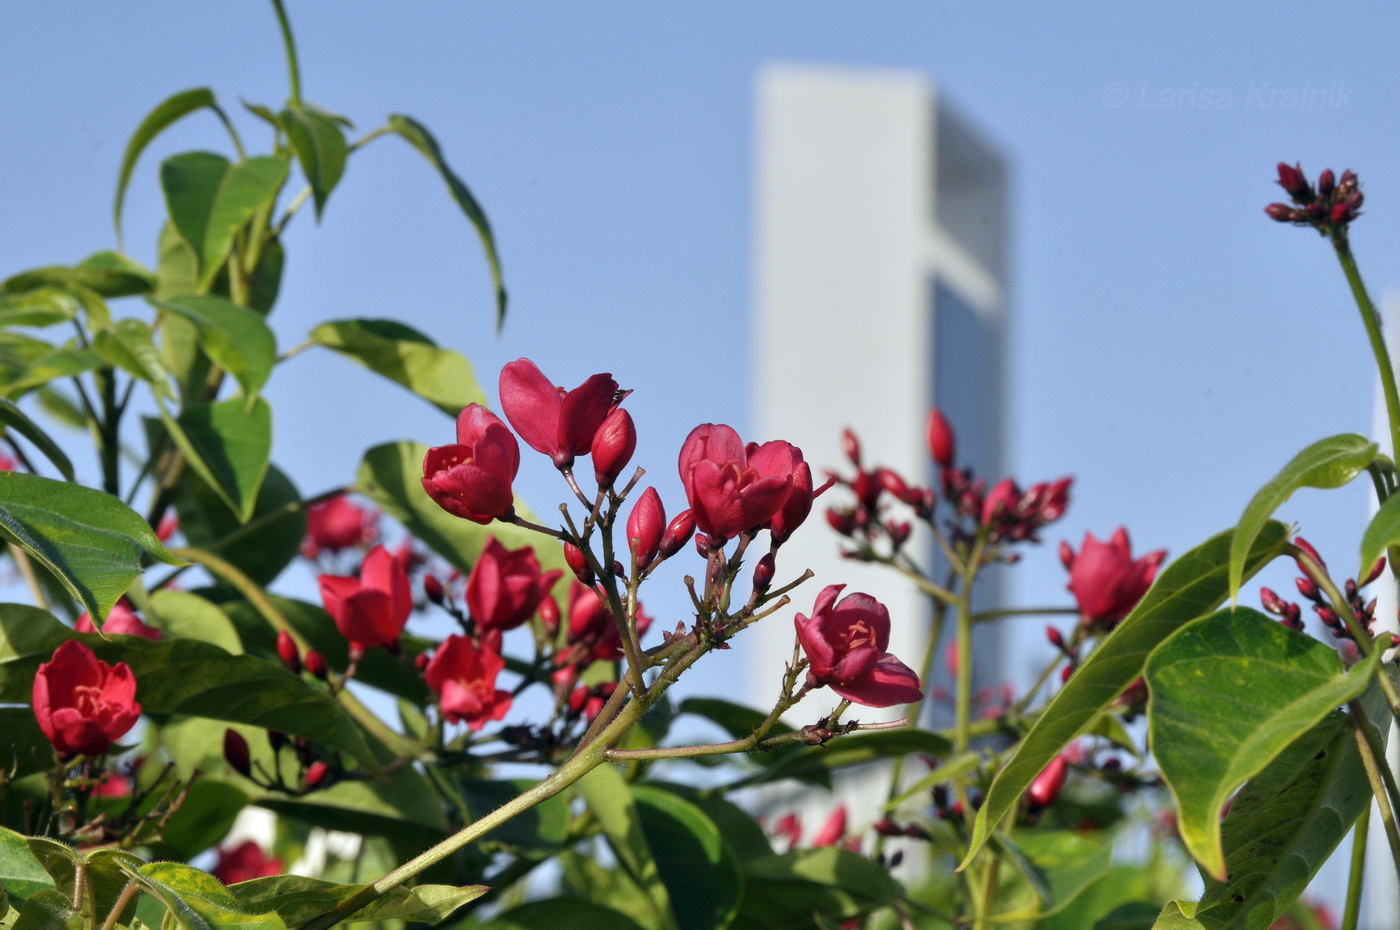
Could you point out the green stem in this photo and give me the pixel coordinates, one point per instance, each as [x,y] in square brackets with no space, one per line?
[293,69]
[1378,773]
[120,904]
[1372,321]
[1358,870]
[1025,612]
[965,619]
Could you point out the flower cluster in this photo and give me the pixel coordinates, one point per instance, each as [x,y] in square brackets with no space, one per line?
[1328,208]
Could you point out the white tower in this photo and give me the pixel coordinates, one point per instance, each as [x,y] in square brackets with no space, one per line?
[880,290]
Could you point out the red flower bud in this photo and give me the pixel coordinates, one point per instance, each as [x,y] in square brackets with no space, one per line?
[678,532]
[432,587]
[613,446]
[645,527]
[1375,571]
[549,616]
[316,773]
[316,664]
[1055,637]
[1045,789]
[578,563]
[1309,589]
[1001,501]
[843,523]
[899,532]
[1282,212]
[1291,179]
[287,652]
[851,446]
[763,573]
[420,661]
[578,699]
[236,753]
[1326,182]
[941,444]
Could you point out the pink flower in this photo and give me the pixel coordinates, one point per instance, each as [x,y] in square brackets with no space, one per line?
[245,862]
[506,586]
[472,479]
[84,705]
[336,525]
[464,678]
[1105,579]
[559,423]
[120,619]
[846,645]
[370,610]
[733,488]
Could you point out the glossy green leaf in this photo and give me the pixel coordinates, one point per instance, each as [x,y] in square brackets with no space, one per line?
[391,475]
[228,443]
[1065,862]
[700,875]
[15,419]
[1327,463]
[197,900]
[418,136]
[556,913]
[128,345]
[21,874]
[169,111]
[210,199]
[105,274]
[48,910]
[104,880]
[91,541]
[182,615]
[610,801]
[297,899]
[235,338]
[319,144]
[1230,692]
[400,353]
[1193,585]
[42,306]
[63,362]
[783,892]
[208,523]
[742,833]
[1381,533]
[184,677]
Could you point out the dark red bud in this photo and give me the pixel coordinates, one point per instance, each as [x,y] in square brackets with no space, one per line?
[851,446]
[549,616]
[888,828]
[1309,589]
[276,739]
[645,527]
[613,446]
[578,698]
[899,533]
[763,573]
[892,481]
[1045,789]
[1340,213]
[433,589]
[678,531]
[287,652]
[702,545]
[236,753]
[941,444]
[1055,637]
[1271,601]
[1291,179]
[1065,673]
[1375,571]
[1307,547]
[316,773]
[316,664]
[1326,182]
[578,563]
[1281,212]
[421,661]
[843,523]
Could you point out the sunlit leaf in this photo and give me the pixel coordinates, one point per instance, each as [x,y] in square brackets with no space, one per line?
[400,353]
[169,110]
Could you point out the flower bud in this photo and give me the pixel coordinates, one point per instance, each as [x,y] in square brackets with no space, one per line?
[1291,179]
[941,444]
[432,587]
[578,699]
[421,661]
[1282,213]
[646,525]
[851,446]
[613,446]
[1375,571]
[316,773]
[1001,501]
[287,652]
[899,532]
[316,664]
[892,482]
[763,573]
[1309,589]
[578,563]
[843,523]
[236,753]
[888,827]
[1326,181]
[1055,637]
[1272,602]
[1045,789]
[549,616]
[678,532]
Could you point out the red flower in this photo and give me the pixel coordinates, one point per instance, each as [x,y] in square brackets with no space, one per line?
[846,645]
[592,629]
[472,478]
[245,862]
[733,488]
[120,619]
[336,525]
[464,678]
[559,423]
[506,586]
[370,610]
[84,705]
[1106,581]
[783,460]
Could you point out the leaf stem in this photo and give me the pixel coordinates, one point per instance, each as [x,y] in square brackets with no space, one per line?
[1372,321]
[294,71]
[1378,772]
[1358,870]
[123,899]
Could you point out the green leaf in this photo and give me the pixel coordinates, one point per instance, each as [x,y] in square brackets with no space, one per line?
[1382,533]
[392,476]
[184,677]
[42,306]
[815,763]
[235,338]
[207,523]
[298,899]
[946,770]
[1066,862]
[203,818]
[700,875]
[198,901]
[784,892]
[170,110]
[211,199]
[228,443]
[418,136]
[49,910]
[104,880]
[320,146]
[91,541]
[400,353]
[128,345]
[16,420]
[610,800]
[1193,585]
[24,748]
[554,913]
[1230,692]
[63,362]
[1327,463]
[105,274]
[21,874]
[182,615]
[742,833]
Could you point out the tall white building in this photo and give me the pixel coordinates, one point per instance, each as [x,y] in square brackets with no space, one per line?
[881,254]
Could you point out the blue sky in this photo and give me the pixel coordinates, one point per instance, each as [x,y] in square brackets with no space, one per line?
[1170,346]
